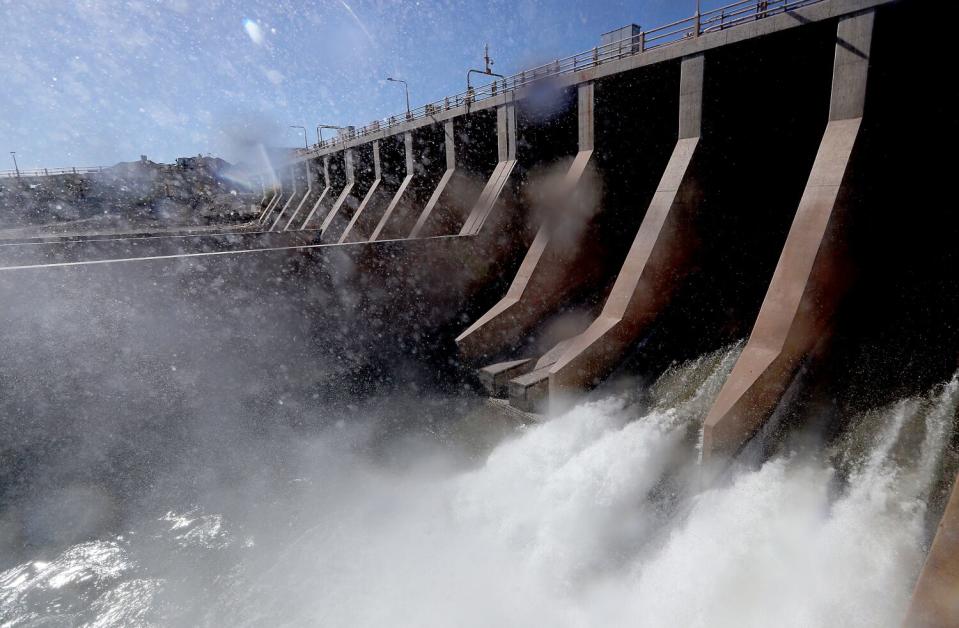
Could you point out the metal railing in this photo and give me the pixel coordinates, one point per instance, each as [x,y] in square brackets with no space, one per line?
[709,21]
[48,172]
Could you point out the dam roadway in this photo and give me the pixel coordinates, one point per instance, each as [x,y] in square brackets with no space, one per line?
[769,172]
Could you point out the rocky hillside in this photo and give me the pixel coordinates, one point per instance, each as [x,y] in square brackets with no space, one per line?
[195,191]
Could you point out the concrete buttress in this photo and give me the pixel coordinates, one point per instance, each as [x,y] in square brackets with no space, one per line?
[377,179]
[657,260]
[935,600]
[294,196]
[450,146]
[344,193]
[806,285]
[324,194]
[310,175]
[550,268]
[400,192]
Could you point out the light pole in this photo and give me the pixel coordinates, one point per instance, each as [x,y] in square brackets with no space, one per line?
[488,70]
[15,166]
[407,88]
[319,136]
[306,141]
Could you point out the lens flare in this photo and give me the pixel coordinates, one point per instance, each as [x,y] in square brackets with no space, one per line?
[253,30]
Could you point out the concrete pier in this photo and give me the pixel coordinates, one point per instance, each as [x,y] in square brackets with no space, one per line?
[349,180]
[278,197]
[808,279]
[309,174]
[476,155]
[296,196]
[361,177]
[553,265]
[935,600]
[430,158]
[374,187]
[393,168]
[494,189]
[657,259]
[321,198]
[281,207]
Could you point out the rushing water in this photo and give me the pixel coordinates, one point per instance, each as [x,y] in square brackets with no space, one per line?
[595,517]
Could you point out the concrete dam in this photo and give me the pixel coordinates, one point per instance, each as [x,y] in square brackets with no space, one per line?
[665,332]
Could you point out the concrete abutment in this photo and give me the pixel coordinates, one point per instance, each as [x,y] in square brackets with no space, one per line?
[808,280]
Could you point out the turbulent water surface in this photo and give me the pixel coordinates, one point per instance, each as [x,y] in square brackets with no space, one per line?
[596,517]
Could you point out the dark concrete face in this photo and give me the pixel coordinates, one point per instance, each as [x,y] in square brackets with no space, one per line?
[475,142]
[765,105]
[546,127]
[897,331]
[363,170]
[392,156]
[316,170]
[635,131]
[476,153]
[429,163]
[337,171]
[392,160]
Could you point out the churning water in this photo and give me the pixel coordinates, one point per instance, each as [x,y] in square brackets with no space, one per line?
[593,518]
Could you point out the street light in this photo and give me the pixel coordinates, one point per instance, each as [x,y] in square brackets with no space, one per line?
[319,136]
[306,141]
[15,166]
[488,70]
[407,88]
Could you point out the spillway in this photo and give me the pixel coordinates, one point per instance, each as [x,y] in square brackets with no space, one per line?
[662,333]
[594,516]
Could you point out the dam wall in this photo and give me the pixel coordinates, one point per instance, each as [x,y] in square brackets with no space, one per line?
[775,181]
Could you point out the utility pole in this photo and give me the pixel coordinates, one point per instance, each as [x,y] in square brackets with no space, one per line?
[407,88]
[16,168]
[488,70]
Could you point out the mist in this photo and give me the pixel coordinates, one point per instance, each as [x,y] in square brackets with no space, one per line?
[397,509]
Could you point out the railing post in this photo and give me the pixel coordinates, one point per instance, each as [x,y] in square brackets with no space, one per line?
[595,56]
[698,2]
[642,41]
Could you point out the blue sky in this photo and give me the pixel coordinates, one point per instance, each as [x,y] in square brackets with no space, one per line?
[93,82]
